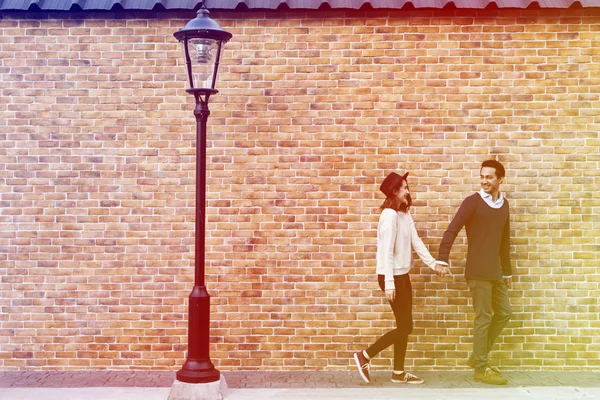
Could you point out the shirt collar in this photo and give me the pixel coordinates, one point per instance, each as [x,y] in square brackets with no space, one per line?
[488,198]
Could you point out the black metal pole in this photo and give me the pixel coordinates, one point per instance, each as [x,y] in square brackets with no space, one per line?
[198,368]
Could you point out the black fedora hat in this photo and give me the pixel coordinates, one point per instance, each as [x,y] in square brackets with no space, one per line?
[391,182]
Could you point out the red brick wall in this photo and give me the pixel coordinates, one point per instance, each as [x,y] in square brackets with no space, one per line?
[97,184]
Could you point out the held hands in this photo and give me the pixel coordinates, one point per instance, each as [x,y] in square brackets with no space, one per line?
[441,270]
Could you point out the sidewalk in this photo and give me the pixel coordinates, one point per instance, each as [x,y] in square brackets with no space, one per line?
[315,385]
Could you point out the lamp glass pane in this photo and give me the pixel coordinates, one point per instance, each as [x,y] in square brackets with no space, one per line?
[203,53]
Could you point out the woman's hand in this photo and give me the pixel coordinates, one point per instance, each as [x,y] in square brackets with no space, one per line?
[390,294]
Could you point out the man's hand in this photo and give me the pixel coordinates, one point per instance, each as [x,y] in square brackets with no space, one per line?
[508,282]
[445,271]
[390,294]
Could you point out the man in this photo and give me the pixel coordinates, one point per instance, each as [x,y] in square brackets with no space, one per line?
[488,271]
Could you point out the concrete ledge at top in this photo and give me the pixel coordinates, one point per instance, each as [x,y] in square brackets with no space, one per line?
[199,391]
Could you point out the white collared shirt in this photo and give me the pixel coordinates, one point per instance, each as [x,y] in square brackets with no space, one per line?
[489,201]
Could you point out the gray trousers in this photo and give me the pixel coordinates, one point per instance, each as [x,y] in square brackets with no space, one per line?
[492,312]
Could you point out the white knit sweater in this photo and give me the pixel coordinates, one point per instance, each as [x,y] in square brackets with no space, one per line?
[396,233]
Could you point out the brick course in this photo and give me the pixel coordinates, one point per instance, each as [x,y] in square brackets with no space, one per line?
[97,184]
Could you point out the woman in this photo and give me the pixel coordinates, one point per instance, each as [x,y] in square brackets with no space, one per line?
[396,234]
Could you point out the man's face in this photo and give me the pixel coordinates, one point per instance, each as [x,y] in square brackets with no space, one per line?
[489,181]
[403,193]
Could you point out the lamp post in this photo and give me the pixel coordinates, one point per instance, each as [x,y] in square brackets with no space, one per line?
[203,41]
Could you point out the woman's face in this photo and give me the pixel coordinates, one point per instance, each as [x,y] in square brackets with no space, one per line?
[402,193]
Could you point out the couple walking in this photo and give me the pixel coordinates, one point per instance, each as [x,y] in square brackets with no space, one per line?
[488,272]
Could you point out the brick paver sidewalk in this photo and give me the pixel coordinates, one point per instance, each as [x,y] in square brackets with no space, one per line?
[281,379]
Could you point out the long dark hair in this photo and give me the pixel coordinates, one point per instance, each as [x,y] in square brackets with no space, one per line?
[395,203]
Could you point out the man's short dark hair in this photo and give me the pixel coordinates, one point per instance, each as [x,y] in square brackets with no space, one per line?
[500,172]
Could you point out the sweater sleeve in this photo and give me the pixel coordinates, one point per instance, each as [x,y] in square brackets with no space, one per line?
[505,250]
[419,246]
[388,230]
[460,219]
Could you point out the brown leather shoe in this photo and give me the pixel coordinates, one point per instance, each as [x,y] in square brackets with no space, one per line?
[471,364]
[490,377]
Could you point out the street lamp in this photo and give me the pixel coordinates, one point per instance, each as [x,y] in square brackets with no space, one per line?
[203,41]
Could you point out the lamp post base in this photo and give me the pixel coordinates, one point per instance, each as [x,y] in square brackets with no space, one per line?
[199,391]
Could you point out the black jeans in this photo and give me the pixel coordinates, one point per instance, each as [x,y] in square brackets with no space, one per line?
[402,308]
[492,312]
